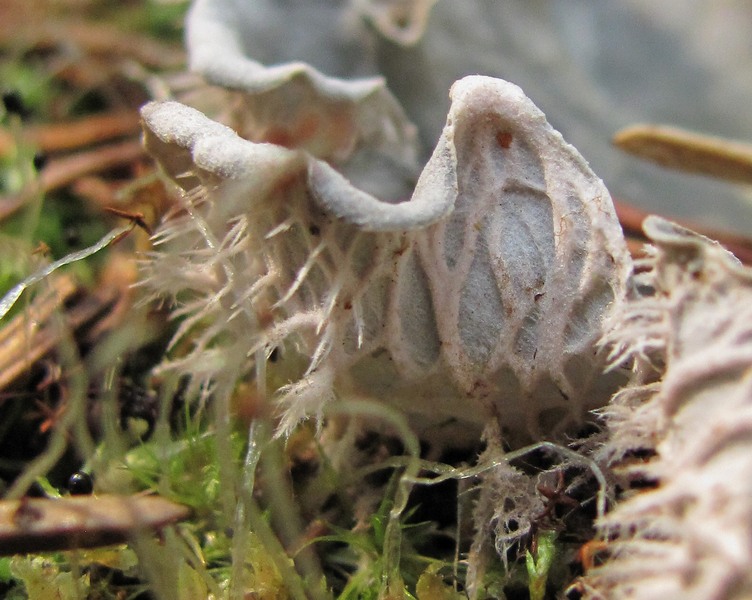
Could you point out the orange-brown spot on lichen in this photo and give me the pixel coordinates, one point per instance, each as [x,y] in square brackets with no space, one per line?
[279,136]
[504,139]
[295,134]
[401,250]
[329,132]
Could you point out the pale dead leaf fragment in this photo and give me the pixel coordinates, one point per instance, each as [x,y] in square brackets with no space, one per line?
[45,525]
[684,150]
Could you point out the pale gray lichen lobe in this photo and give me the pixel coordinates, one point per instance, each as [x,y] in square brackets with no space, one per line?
[467,283]
[690,536]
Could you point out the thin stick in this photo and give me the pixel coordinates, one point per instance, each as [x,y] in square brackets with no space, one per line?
[64,171]
[70,135]
[631,219]
[7,301]
[24,340]
[688,151]
[91,39]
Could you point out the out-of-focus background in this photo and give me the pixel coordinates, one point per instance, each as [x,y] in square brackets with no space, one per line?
[593,67]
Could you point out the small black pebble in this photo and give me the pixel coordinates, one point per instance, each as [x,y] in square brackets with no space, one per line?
[14,104]
[80,484]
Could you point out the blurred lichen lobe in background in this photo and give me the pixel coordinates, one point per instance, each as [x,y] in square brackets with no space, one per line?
[592,68]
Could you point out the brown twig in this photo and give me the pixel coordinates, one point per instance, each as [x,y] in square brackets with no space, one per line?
[88,38]
[19,343]
[94,129]
[688,151]
[63,171]
[137,219]
[32,335]
[96,190]
[631,219]
[44,525]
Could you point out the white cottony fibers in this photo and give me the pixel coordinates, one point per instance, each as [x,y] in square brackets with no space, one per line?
[691,537]
[481,295]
